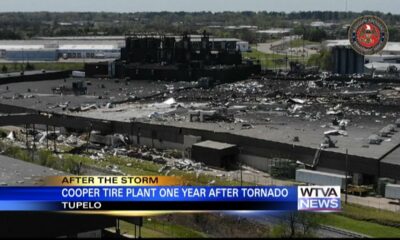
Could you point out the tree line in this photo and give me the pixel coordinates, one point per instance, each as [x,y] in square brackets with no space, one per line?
[27,25]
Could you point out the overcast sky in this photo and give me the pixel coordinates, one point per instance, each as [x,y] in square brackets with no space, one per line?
[392,6]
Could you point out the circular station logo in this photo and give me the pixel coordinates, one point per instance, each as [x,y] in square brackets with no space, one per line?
[368,35]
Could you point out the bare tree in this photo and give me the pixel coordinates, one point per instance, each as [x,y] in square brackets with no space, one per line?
[308,222]
[296,224]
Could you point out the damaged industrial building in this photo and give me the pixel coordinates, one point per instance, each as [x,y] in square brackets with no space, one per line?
[177,58]
[220,112]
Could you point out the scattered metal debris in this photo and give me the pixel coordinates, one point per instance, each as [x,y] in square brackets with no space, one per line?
[374,139]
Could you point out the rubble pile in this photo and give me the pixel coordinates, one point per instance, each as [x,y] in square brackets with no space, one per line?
[169,159]
[246,103]
[332,109]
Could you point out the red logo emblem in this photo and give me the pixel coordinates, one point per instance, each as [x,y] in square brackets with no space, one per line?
[368,35]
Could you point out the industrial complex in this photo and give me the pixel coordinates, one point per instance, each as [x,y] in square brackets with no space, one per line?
[270,125]
[198,106]
[55,48]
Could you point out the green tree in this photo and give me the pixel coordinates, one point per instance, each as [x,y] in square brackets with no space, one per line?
[29,67]
[311,34]
[323,60]
[308,223]
[394,34]
[4,69]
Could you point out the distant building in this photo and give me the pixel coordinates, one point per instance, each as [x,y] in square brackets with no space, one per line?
[241,27]
[275,32]
[384,68]
[382,58]
[52,52]
[83,47]
[65,24]
[20,52]
[31,55]
[243,46]
[321,24]
[88,51]
[392,48]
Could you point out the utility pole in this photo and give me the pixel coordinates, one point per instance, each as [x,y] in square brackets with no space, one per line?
[287,61]
[33,142]
[89,135]
[55,138]
[290,48]
[26,136]
[241,173]
[241,167]
[347,168]
[303,52]
[117,229]
[287,56]
[33,136]
[273,59]
[272,163]
[131,136]
[270,171]
[47,136]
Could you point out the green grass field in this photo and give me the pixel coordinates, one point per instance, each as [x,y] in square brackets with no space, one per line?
[363,227]
[299,43]
[369,214]
[365,220]
[271,61]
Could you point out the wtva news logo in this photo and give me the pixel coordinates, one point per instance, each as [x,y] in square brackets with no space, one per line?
[319,198]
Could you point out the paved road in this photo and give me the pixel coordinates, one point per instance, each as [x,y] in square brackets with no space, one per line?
[268,47]
[14,172]
[374,202]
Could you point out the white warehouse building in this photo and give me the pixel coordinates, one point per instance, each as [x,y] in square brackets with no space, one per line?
[88,51]
[54,49]
[391,48]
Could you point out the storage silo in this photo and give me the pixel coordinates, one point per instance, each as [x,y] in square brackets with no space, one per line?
[347,61]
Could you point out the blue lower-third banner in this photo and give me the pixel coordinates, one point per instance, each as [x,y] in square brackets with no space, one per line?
[164,198]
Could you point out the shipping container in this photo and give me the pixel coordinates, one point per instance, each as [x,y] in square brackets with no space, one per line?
[392,191]
[321,178]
